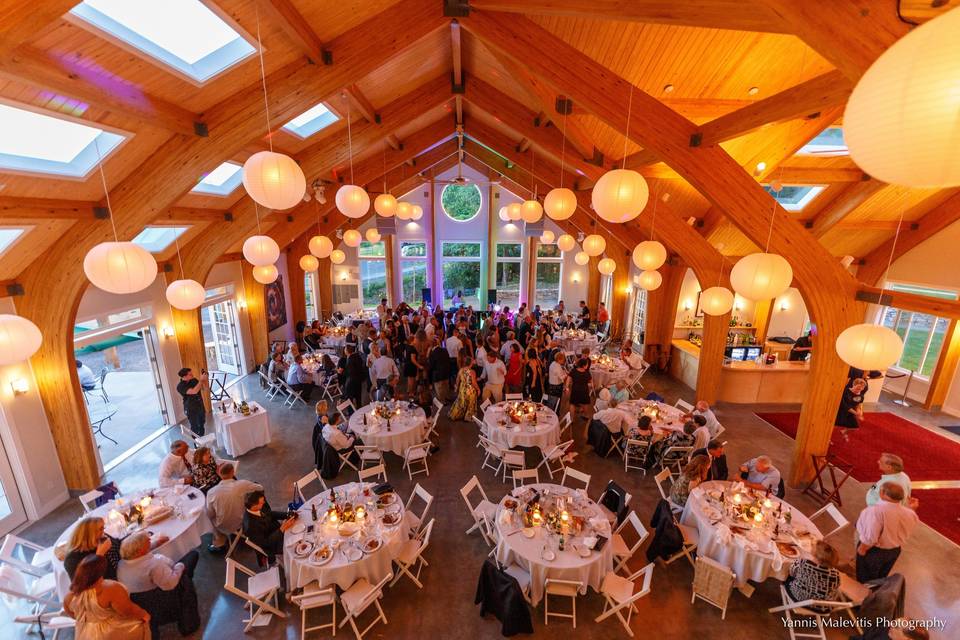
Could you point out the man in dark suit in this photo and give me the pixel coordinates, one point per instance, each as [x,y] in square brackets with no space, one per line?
[355,373]
[718,460]
[264,527]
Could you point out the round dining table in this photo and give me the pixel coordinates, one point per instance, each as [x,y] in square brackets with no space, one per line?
[360,317]
[186,522]
[536,549]
[542,431]
[753,550]
[576,340]
[404,430]
[348,556]
[614,373]
[666,418]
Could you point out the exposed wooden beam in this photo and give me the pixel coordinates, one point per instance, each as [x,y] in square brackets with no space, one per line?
[290,20]
[817,175]
[456,49]
[360,102]
[843,205]
[45,208]
[939,307]
[21,20]
[394,142]
[192,214]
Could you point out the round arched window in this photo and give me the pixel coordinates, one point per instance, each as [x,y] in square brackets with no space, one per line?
[461,202]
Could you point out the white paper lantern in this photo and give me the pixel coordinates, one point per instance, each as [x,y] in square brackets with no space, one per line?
[650,280]
[261,250]
[185,294]
[19,339]
[274,180]
[869,346]
[560,203]
[716,301]
[352,238]
[902,121]
[337,256]
[581,258]
[503,215]
[372,235]
[416,212]
[606,266]
[320,246]
[649,255]
[594,245]
[566,242]
[531,211]
[352,201]
[120,267]
[404,210]
[761,276]
[619,195]
[309,263]
[265,273]
[547,237]
[515,211]
[385,205]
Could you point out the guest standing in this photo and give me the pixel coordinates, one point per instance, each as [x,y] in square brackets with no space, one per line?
[881,531]
[355,372]
[850,413]
[495,373]
[556,375]
[891,466]
[467,391]
[190,388]
[102,608]
[439,366]
[533,376]
[514,377]
[580,383]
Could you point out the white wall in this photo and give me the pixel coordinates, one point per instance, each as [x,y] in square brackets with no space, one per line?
[789,315]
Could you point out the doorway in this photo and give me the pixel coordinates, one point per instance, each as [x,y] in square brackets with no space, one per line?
[12,513]
[221,339]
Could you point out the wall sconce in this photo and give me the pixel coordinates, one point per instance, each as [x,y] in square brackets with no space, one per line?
[627,290]
[19,386]
[167,331]
[687,305]
[241,303]
[343,276]
[783,305]
[575,278]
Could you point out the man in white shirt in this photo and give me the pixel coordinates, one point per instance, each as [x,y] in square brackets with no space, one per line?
[225,505]
[299,380]
[495,373]
[507,347]
[881,531]
[454,344]
[382,311]
[336,438]
[703,409]
[431,328]
[88,381]
[616,420]
[701,437]
[177,467]
[140,571]
[383,367]
[760,474]
[631,359]
[891,466]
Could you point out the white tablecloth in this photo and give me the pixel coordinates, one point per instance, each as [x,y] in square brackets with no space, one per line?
[568,564]
[339,570]
[238,434]
[545,434]
[350,318]
[576,343]
[406,430]
[184,530]
[335,342]
[605,376]
[750,556]
[668,420]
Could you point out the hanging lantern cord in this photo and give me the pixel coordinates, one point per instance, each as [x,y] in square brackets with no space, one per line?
[106,193]
[773,212]
[176,239]
[893,248]
[653,217]
[263,78]
[563,147]
[626,133]
[349,141]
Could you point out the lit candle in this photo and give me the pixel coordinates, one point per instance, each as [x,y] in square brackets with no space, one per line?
[361,513]
[737,498]
[537,517]
[758,517]
[767,503]
[564,516]
[145,502]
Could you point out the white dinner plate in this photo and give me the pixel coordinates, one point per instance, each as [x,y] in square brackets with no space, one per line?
[298,528]
[548,555]
[529,532]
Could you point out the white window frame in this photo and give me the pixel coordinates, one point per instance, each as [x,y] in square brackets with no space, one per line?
[536,268]
[444,259]
[360,261]
[424,259]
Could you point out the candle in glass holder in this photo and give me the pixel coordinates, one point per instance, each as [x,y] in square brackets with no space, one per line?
[564,517]
[736,498]
[360,512]
[332,516]
[145,502]
[537,518]
[758,518]
[767,503]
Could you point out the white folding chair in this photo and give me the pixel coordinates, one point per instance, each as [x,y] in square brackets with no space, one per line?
[634,385]
[411,556]
[482,429]
[483,506]
[32,601]
[307,480]
[342,409]
[565,423]
[635,455]
[89,499]
[622,551]
[416,454]
[512,460]
[206,440]
[331,389]
[483,405]
[511,397]
[683,405]
[522,576]
[691,539]
[358,598]
[660,478]
[313,597]
[26,556]
[292,396]
[621,593]
[561,588]
[379,471]
[556,456]
[616,444]
[839,521]
[674,458]
[493,453]
[345,460]
[520,477]
[271,388]
[260,594]
[802,621]
[720,430]
[713,583]
[437,405]
[369,454]
[413,519]
[432,432]
[570,472]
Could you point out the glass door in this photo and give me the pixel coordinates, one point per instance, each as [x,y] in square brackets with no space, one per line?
[226,349]
[12,514]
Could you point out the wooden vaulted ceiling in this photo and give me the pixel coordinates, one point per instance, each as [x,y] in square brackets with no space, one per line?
[710,58]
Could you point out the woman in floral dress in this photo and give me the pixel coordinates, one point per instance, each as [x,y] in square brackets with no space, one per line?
[467,391]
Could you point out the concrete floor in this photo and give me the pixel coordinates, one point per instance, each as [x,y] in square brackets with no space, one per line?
[444,608]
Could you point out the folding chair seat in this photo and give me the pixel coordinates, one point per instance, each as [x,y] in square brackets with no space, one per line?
[414,520]
[621,593]
[260,594]
[416,454]
[556,457]
[410,557]
[483,507]
[358,599]
[570,472]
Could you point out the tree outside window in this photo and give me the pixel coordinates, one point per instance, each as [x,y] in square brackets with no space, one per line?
[508,274]
[461,272]
[373,273]
[461,202]
[548,278]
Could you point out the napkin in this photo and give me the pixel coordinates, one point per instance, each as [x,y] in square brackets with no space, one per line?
[505,517]
[724,534]
[195,511]
[590,542]
[712,512]
[777,563]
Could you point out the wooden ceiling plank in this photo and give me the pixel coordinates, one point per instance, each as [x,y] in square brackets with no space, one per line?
[456,47]
[816,175]
[293,24]
[21,20]
[12,207]
[843,205]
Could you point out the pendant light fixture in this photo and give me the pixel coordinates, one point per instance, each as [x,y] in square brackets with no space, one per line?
[320,245]
[337,256]
[650,280]
[607,266]
[352,238]
[19,339]
[621,194]
[566,242]
[185,294]
[503,215]
[515,211]
[594,245]
[717,300]
[416,212]
[352,200]
[581,258]
[650,255]
[265,274]
[561,203]
[531,211]
[547,237]
[309,263]
[385,204]
[762,276]
[372,235]
[404,210]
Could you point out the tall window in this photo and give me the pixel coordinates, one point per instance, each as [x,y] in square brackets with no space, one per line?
[310,295]
[508,274]
[549,267]
[413,267]
[373,273]
[461,272]
[639,314]
[922,334]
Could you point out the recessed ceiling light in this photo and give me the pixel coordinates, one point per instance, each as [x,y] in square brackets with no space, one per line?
[752,91]
[667,88]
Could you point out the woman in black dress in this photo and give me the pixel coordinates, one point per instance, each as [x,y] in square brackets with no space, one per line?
[850,413]
[581,386]
[533,376]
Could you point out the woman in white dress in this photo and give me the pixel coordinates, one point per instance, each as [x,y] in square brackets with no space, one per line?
[102,608]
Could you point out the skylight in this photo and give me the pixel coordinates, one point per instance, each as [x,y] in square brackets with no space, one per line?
[828,143]
[183,34]
[9,235]
[309,122]
[221,181]
[33,142]
[156,239]
[795,198]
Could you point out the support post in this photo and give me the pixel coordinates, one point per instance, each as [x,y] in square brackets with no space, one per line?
[946,368]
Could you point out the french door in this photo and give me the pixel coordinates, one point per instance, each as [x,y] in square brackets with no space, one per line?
[12,513]
[226,343]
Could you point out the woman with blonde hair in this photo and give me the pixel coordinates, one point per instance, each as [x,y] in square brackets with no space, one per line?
[88,538]
[693,474]
[102,607]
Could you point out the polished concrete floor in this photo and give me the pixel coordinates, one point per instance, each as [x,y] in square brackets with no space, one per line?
[445,609]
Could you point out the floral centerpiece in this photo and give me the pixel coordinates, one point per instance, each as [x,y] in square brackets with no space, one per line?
[521,410]
[310,363]
[603,360]
[386,410]
[651,409]
[337,332]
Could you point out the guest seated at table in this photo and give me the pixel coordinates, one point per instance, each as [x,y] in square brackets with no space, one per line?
[815,578]
[388,390]
[225,506]
[164,589]
[703,409]
[299,380]
[328,365]
[620,395]
[292,352]
[718,460]
[759,473]
[891,466]
[177,467]
[631,359]
[265,527]
[693,474]
[88,538]
[682,438]
[277,369]
[337,438]
[701,437]
[614,419]
[205,474]
[88,380]
[313,338]
[102,607]
[643,431]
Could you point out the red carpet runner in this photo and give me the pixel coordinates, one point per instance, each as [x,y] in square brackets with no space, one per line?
[940,510]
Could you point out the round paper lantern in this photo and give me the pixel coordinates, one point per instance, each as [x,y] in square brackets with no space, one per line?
[560,203]
[309,263]
[901,123]
[650,280]
[352,201]
[606,266]
[265,273]
[372,235]
[385,205]
[352,238]
[547,237]
[261,250]
[761,276]
[531,211]
[120,267]
[404,210]
[19,339]
[581,258]
[649,255]
[515,211]
[337,256]
[566,242]
[186,294]
[416,212]
[274,180]
[594,245]
[716,301]
[503,215]
[619,195]
[869,346]
[320,246]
